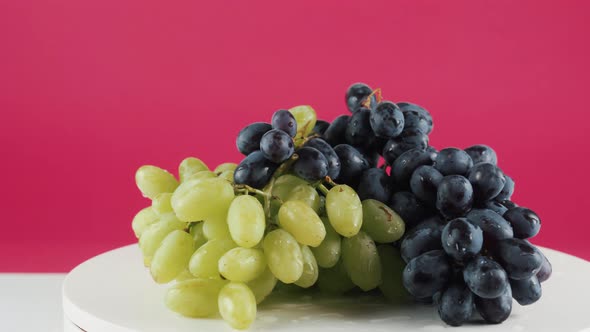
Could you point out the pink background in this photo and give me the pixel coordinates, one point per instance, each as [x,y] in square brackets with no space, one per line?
[90,90]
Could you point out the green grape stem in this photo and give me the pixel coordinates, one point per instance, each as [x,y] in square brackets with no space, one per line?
[323,189]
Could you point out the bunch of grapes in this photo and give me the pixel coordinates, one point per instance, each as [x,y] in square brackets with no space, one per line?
[341,206]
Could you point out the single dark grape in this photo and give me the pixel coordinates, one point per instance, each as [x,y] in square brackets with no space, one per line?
[311,164]
[509,204]
[254,170]
[494,227]
[406,164]
[409,208]
[452,161]
[371,156]
[525,222]
[407,140]
[427,274]
[352,164]
[520,259]
[526,291]
[454,196]
[485,277]
[482,154]
[494,206]
[374,184]
[461,239]
[320,127]
[335,134]
[424,183]
[277,146]
[356,95]
[387,120]
[455,305]
[285,121]
[423,238]
[546,269]
[416,117]
[487,181]
[329,153]
[249,137]
[496,310]
[359,132]
[507,190]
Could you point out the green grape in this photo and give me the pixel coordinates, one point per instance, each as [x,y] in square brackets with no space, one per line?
[227,175]
[334,280]
[242,264]
[198,235]
[237,305]
[172,256]
[202,199]
[216,229]
[327,253]
[302,222]
[184,275]
[392,268]
[161,203]
[194,297]
[283,256]
[284,184]
[204,262]
[246,221]
[381,223]
[200,175]
[190,166]
[225,167]
[345,210]
[142,220]
[152,180]
[310,269]
[152,237]
[306,194]
[305,117]
[361,260]
[263,285]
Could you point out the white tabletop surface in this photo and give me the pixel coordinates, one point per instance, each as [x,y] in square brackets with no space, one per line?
[31,302]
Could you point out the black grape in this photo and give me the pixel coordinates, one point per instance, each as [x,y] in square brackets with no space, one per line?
[277,146]
[254,170]
[454,196]
[407,140]
[359,132]
[409,208]
[416,117]
[496,310]
[461,239]
[451,161]
[427,274]
[387,120]
[374,184]
[285,121]
[494,206]
[546,269]
[422,238]
[485,277]
[482,154]
[320,127]
[507,190]
[335,134]
[311,164]
[456,304]
[487,181]
[352,164]
[406,164]
[249,137]
[356,95]
[525,222]
[494,227]
[520,259]
[526,291]
[424,183]
[329,153]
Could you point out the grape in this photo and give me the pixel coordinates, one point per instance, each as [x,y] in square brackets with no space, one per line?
[334,280]
[172,256]
[263,285]
[161,203]
[200,176]
[194,297]
[361,260]
[344,210]
[329,153]
[246,221]
[454,197]
[310,269]
[152,236]
[507,190]
[407,140]
[525,222]
[152,180]
[496,310]
[204,262]
[311,164]
[216,228]
[327,253]
[190,166]
[546,269]
[356,95]
[416,117]
[520,259]
[482,154]
[461,240]
[285,121]
[427,274]
[352,164]
[242,264]
[225,167]
[509,204]
[277,146]
[371,155]
[202,199]
[387,120]
[494,227]
[199,238]
[423,238]
[228,176]
[406,164]
[452,161]
[284,184]
[381,223]
[254,170]
[302,222]
[237,305]
[409,208]
[526,291]
[374,184]
[424,183]
[283,256]
[184,275]
[392,267]
[143,220]
[305,117]
[485,277]
[359,132]
[320,127]
[495,206]
[456,304]
[487,181]
[306,194]
[336,132]
[249,137]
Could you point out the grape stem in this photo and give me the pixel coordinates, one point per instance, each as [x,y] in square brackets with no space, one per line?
[323,189]
[329,181]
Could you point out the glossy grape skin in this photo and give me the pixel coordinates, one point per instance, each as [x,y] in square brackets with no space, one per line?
[424,183]
[194,297]
[172,256]
[494,227]
[421,239]
[461,239]
[409,208]
[356,94]
[427,274]
[387,120]
[546,269]
[143,220]
[487,181]
[190,166]
[507,190]
[525,222]
[456,304]
[381,223]
[320,127]
[452,161]
[405,165]
[254,170]
[263,285]
[361,260]
[496,310]
[283,255]
[407,140]
[482,154]
[152,181]
[520,259]
[454,196]
[237,305]
[416,117]
[302,223]
[248,139]
[310,269]
[352,164]
[329,153]
[246,221]
[242,264]
[336,132]
[311,164]
[307,194]
[285,121]
[277,146]
[526,291]
[374,184]
[344,210]
[485,277]
[204,261]
[328,252]
[359,132]
[494,206]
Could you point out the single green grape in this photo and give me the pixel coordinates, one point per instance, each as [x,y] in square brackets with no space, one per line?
[190,166]
[194,297]
[283,255]
[284,184]
[200,175]
[202,199]
[198,235]
[344,210]
[151,238]
[237,305]
[327,253]
[392,269]
[152,180]
[142,220]
[381,223]
[263,285]
[184,275]
[302,222]
[310,269]
[225,167]
[246,221]
[216,228]
[172,257]
[161,203]
[361,260]
[242,264]
[306,194]
[204,263]
[306,117]
[334,280]
[227,175]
